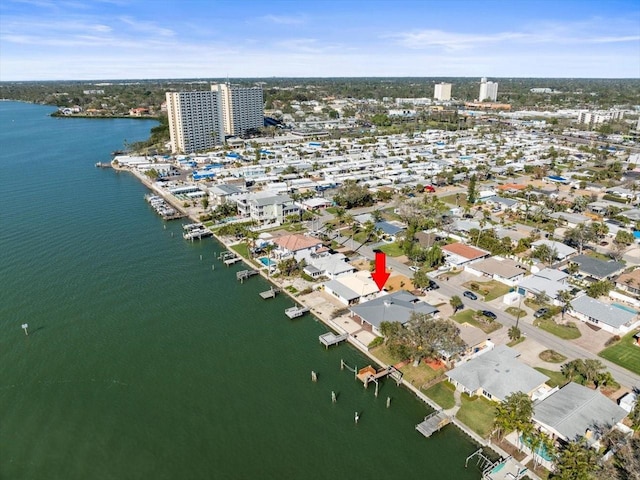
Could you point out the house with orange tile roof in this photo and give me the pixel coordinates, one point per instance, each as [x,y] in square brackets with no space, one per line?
[296,245]
[460,254]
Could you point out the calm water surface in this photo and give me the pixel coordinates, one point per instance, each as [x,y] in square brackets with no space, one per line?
[144,363]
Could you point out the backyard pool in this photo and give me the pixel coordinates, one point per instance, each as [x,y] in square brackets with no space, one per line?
[624,307]
[266,261]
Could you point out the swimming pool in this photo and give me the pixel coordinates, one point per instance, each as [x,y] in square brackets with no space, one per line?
[266,262]
[542,451]
[624,307]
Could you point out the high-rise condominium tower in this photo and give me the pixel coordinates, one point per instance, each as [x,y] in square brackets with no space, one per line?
[442,91]
[488,90]
[242,108]
[201,120]
[195,120]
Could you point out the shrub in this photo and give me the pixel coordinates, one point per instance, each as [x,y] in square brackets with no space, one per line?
[612,340]
[375,342]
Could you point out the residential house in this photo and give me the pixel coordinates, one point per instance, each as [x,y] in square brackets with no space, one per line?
[595,268]
[476,342]
[459,254]
[325,264]
[266,208]
[629,282]
[298,246]
[570,220]
[612,318]
[314,204]
[562,252]
[224,193]
[574,412]
[501,269]
[503,204]
[352,288]
[390,231]
[549,280]
[393,307]
[497,374]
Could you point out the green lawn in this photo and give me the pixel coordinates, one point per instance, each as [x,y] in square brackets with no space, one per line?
[442,394]
[556,379]
[417,376]
[490,290]
[552,356]
[516,312]
[624,353]
[392,249]
[451,199]
[469,316]
[566,332]
[477,413]
[241,249]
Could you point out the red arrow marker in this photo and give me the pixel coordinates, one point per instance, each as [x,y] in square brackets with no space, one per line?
[380,275]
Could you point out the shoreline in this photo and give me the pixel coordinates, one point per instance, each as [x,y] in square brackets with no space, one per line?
[328,322]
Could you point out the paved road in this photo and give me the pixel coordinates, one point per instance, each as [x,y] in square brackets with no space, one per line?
[566,348]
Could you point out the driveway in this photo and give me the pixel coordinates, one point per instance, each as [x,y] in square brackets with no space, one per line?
[590,339]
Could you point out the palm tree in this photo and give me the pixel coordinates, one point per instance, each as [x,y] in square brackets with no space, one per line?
[514,333]
[576,461]
[456,303]
[565,297]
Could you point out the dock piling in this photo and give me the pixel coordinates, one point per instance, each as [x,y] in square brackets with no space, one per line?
[314,376]
[334,399]
[388,402]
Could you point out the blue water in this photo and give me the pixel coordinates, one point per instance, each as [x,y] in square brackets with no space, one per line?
[266,261]
[144,362]
[624,307]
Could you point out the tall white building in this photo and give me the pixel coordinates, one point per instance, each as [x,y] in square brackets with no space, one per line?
[600,116]
[442,91]
[243,108]
[195,120]
[488,90]
[201,120]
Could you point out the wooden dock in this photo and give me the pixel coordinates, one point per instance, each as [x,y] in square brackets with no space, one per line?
[330,338]
[232,260]
[242,274]
[271,293]
[370,374]
[433,423]
[295,312]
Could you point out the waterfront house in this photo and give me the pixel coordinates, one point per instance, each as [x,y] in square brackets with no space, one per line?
[574,412]
[393,307]
[224,193]
[325,264]
[297,246]
[266,208]
[613,318]
[497,374]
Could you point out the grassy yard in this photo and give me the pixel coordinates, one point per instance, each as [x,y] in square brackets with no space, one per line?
[624,353]
[491,290]
[516,312]
[566,332]
[451,199]
[241,249]
[556,379]
[442,394]
[417,376]
[392,249]
[552,356]
[472,318]
[478,414]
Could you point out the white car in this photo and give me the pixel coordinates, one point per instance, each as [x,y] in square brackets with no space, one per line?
[413,268]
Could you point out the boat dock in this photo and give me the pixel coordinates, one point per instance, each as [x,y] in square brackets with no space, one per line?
[232,260]
[271,293]
[196,230]
[103,165]
[369,374]
[162,208]
[330,338]
[295,312]
[433,423]
[242,274]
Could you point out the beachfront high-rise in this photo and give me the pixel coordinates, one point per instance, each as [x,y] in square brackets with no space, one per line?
[442,91]
[196,122]
[488,90]
[201,120]
[242,108]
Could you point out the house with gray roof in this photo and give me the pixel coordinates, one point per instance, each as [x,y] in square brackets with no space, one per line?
[562,251]
[224,193]
[613,318]
[394,307]
[596,268]
[501,269]
[572,220]
[574,412]
[548,280]
[496,375]
[503,203]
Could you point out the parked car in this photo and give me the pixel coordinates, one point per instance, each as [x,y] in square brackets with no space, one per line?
[489,314]
[470,294]
[414,268]
[541,312]
[432,286]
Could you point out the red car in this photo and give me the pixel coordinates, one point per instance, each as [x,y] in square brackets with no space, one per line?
[429,189]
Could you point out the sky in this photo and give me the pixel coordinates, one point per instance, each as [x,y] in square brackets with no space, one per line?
[141,39]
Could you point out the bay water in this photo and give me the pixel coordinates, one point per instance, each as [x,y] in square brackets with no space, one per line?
[144,362]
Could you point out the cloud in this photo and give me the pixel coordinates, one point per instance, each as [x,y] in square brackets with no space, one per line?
[146,27]
[285,19]
[451,40]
